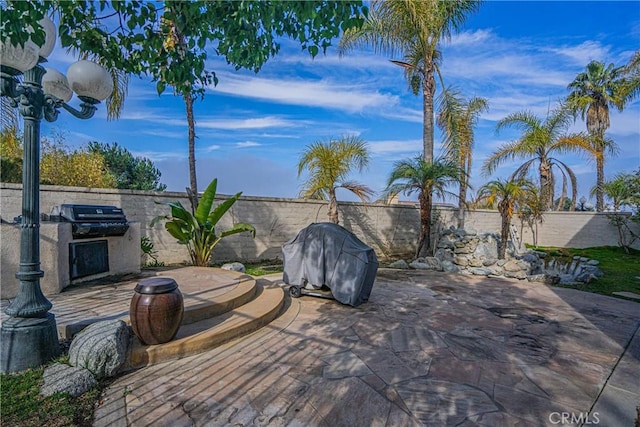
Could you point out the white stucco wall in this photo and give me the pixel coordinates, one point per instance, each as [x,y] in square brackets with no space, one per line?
[390,229]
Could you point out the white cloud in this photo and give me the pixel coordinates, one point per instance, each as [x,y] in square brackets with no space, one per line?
[247,144]
[340,96]
[583,53]
[468,38]
[223,123]
[251,123]
[211,148]
[160,156]
[413,146]
[164,134]
[513,68]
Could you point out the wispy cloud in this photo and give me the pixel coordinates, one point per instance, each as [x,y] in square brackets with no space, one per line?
[222,123]
[468,38]
[583,53]
[159,156]
[323,93]
[392,147]
[250,123]
[164,133]
[247,144]
[211,148]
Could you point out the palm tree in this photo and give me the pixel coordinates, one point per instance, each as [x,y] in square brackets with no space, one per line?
[631,86]
[425,178]
[532,211]
[539,141]
[508,195]
[329,164]
[457,118]
[593,92]
[618,190]
[413,29]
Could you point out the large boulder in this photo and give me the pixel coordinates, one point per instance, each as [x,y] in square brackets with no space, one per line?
[487,247]
[101,348]
[60,378]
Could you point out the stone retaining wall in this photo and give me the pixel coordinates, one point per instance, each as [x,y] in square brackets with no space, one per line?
[390,229]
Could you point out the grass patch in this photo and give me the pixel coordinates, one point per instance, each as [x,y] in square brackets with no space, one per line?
[621,270]
[264,267]
[258,268]
[22,404]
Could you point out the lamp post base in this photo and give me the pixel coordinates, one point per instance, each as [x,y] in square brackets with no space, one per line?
[28,342]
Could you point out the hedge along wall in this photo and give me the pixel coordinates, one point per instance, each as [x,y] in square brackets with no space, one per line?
[390,229]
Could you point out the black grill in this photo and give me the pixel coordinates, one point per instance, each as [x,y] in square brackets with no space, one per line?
[89,221]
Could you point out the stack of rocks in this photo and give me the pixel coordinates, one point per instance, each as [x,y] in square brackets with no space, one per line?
[98,351]
[469,252]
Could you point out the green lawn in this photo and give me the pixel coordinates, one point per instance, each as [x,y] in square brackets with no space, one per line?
[621,269]
[22,405]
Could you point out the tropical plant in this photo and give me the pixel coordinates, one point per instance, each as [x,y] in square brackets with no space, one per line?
[593,92]
[508,195]
[531,212]
[624,190]
[538,143]
[198,230]
[619,190]
[148,249]
[631,84]
[426,179]
[8,114]
[329,163]
[457,117]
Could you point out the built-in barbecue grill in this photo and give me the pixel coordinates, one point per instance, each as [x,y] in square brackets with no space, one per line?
[89,221]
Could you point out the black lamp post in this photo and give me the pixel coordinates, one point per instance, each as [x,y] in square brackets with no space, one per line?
[29,336]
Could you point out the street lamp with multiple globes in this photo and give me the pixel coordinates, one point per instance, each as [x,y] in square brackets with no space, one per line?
[30,336]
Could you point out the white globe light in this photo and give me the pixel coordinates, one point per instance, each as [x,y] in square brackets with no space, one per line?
[89,79]
[20,58]
[55,83]
[50,36]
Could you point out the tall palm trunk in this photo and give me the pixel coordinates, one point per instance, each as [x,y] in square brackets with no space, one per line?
[424,241]
[462,204]
[504,234]
[462,196]
[428,92]
[193,196]
[546,184]
[333,206]
[600,178]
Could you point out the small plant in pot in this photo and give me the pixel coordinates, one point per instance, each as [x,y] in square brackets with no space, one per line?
[197,230]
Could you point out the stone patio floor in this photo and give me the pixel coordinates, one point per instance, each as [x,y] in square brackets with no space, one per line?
[428,349]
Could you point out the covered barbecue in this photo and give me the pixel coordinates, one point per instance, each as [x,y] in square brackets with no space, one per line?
[326,254]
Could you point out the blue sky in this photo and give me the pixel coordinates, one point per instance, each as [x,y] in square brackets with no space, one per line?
[252,128]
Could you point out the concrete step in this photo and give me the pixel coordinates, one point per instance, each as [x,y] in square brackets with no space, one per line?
[201,300]
[207,333]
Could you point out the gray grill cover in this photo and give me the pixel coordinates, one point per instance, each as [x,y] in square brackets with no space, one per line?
[327,254]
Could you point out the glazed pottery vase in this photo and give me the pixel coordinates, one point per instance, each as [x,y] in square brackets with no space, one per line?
[156,310]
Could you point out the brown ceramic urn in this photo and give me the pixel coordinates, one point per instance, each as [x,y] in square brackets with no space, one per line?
[156,310]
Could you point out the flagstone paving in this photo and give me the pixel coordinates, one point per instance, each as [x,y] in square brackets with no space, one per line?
[428,349]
